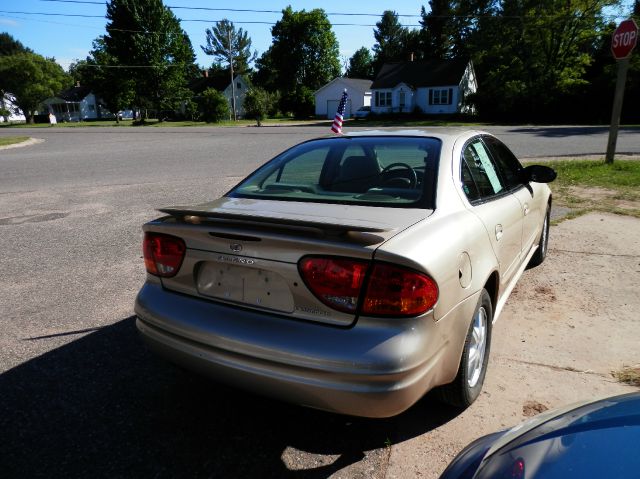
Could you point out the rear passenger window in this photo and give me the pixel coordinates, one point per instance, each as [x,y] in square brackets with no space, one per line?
[506,161]
[477,169]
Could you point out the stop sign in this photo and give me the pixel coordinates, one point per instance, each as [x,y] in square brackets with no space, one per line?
[624,39]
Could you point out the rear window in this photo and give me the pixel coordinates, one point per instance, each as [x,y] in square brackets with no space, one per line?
[388,170]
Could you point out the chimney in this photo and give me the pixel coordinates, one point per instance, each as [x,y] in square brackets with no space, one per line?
[411,56]
[77,84]
[205,73]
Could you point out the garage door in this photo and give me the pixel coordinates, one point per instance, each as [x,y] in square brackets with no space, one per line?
[332,107]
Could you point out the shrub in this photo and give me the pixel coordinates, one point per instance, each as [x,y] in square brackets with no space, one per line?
[213,106]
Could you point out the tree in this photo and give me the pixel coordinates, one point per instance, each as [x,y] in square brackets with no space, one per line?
[213,106]
[303,57]
[360,64]
[224,42]
[544,63]
[146,53]
[101,73]
[257,104]
[394,43]
[31,78]
[11,46]
[231,46]
[438,30]
[390,38]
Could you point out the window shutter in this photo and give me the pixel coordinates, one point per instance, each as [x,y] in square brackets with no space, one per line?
[450,96]
[377,102]
[430,96]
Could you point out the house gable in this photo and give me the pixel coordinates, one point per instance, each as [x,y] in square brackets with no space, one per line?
[241,87]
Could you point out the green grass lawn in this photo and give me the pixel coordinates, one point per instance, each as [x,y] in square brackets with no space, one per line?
[10,140]
[593,185]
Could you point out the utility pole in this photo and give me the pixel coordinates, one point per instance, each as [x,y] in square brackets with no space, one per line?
[233,83]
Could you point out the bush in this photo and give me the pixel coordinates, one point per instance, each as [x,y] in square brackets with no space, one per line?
[258,104]
[301,102]
[213,106]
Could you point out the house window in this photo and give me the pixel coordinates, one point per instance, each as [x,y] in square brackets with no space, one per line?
[440,96]
[239,85]
[383,98]
[402,99]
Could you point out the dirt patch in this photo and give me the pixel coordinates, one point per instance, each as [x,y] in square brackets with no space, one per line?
[546,292]
[602,199]
[531,408]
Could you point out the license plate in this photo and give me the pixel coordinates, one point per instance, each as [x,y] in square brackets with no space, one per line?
[245,285]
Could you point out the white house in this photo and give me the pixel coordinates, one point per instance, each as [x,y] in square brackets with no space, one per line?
[328,96]
[8,103]
[241,87]
[74,104]
[434,87]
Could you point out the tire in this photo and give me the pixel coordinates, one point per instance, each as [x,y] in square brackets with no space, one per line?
[466,387]
[543,245]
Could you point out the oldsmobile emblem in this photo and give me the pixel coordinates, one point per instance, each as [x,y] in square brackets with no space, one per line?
[235,247]
[235,259]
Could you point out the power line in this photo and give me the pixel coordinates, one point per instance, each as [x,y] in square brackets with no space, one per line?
[197,20]
[236,10]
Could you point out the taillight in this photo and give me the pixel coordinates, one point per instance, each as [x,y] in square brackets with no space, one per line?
[397,291]
[163,254]
[335,281]
[390,290]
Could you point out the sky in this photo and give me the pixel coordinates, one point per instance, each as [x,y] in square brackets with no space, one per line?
[68,38]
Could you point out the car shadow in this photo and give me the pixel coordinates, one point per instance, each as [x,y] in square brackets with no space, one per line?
[104,406]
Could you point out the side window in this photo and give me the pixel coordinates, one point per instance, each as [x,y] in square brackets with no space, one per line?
[506,161]
[468,185]
[479,171]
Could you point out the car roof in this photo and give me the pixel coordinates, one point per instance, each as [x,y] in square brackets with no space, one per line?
[445,134]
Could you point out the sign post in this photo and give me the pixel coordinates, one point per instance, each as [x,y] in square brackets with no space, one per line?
[622,43]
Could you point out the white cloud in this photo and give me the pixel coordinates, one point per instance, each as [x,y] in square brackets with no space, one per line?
[8,22]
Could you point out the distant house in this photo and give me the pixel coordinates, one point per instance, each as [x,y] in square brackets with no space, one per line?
[74,104]
[222,84]
[434,87]
[241,86]
[8,103]
[328,96]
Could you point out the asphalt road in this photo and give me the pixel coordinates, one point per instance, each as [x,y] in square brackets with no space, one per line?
[80,396]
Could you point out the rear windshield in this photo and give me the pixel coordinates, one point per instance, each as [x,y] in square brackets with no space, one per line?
[386,170]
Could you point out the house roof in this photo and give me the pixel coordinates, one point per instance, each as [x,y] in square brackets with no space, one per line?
[74,94]
[421,74]
[353,83]
[200,84]
[358,83]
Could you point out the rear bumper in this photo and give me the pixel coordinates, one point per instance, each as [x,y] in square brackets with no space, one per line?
[378,368]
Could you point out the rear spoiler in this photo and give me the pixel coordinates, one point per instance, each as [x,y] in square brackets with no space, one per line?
[327,226]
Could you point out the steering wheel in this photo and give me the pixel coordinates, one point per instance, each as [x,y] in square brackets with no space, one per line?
[412,179]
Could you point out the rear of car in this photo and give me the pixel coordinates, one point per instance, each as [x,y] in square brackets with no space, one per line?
[276,287]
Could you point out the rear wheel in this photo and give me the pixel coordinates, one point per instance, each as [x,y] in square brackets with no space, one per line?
[541,253]
[466,387]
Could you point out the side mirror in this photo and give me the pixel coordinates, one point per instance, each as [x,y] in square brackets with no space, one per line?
[538,174]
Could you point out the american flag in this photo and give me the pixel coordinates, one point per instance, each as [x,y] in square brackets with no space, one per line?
[337,121]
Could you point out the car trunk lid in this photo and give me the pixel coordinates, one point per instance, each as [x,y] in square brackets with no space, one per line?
[245,252]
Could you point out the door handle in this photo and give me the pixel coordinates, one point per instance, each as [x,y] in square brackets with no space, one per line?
[498,232]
